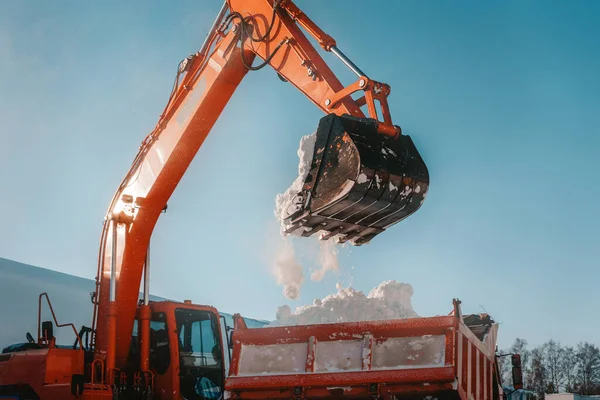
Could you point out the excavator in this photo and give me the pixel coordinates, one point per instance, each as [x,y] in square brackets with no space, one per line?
[364,177]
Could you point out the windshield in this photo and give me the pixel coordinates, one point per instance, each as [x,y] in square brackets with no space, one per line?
[198,336]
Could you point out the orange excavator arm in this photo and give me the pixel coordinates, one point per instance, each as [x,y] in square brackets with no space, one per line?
[205,82]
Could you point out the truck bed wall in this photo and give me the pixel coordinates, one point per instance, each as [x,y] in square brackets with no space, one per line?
[423,356]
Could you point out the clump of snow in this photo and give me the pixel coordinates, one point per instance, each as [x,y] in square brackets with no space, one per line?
[328,260]
[283,201]
[286,266]
[362,178]
[389,300]
[287,270]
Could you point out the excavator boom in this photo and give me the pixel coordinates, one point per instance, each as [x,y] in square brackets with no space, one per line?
[365,174]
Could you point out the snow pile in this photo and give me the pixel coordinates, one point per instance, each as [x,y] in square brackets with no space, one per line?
[390,300]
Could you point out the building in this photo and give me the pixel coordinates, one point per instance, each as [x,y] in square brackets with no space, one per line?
[570,396]
[521,394]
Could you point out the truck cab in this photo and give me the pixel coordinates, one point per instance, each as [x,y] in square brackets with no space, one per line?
[186,350]
[188,356]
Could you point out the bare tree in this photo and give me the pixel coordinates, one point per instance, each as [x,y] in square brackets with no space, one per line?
[569,366]
[588,368]
[553,359]
[537,380]
[504,365]
[552,368]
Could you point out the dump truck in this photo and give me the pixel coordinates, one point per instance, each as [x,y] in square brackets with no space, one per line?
[445,357]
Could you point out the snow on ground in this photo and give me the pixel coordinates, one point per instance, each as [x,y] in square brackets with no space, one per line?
[389,300]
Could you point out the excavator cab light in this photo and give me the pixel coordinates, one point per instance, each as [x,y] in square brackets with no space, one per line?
[360,182]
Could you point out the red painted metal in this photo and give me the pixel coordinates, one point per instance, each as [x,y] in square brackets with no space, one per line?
[467,364]
[47,371]
[387,392]
[144,314]
[342,379]
[379,329]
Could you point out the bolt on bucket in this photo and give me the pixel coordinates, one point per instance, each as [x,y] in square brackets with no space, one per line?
[360,182]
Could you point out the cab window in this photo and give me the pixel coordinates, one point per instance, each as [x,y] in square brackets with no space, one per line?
[160,356]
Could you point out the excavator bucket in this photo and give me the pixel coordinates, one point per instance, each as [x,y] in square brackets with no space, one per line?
[360,182]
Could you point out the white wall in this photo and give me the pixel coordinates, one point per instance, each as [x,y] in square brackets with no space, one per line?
[20,286]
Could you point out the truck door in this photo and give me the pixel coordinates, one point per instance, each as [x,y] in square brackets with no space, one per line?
[200,354]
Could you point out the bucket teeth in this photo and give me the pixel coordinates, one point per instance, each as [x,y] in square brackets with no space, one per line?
[359,183]
[331,233]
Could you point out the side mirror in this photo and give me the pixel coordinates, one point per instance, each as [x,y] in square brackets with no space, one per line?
[517,372]
[47,330]
[230,339]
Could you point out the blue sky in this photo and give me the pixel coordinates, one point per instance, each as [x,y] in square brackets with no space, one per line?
[501,98]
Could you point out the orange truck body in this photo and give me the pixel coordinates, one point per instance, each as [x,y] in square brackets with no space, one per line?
[46,372]
[439,357]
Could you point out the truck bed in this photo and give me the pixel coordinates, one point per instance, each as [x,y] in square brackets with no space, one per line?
[414,358]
